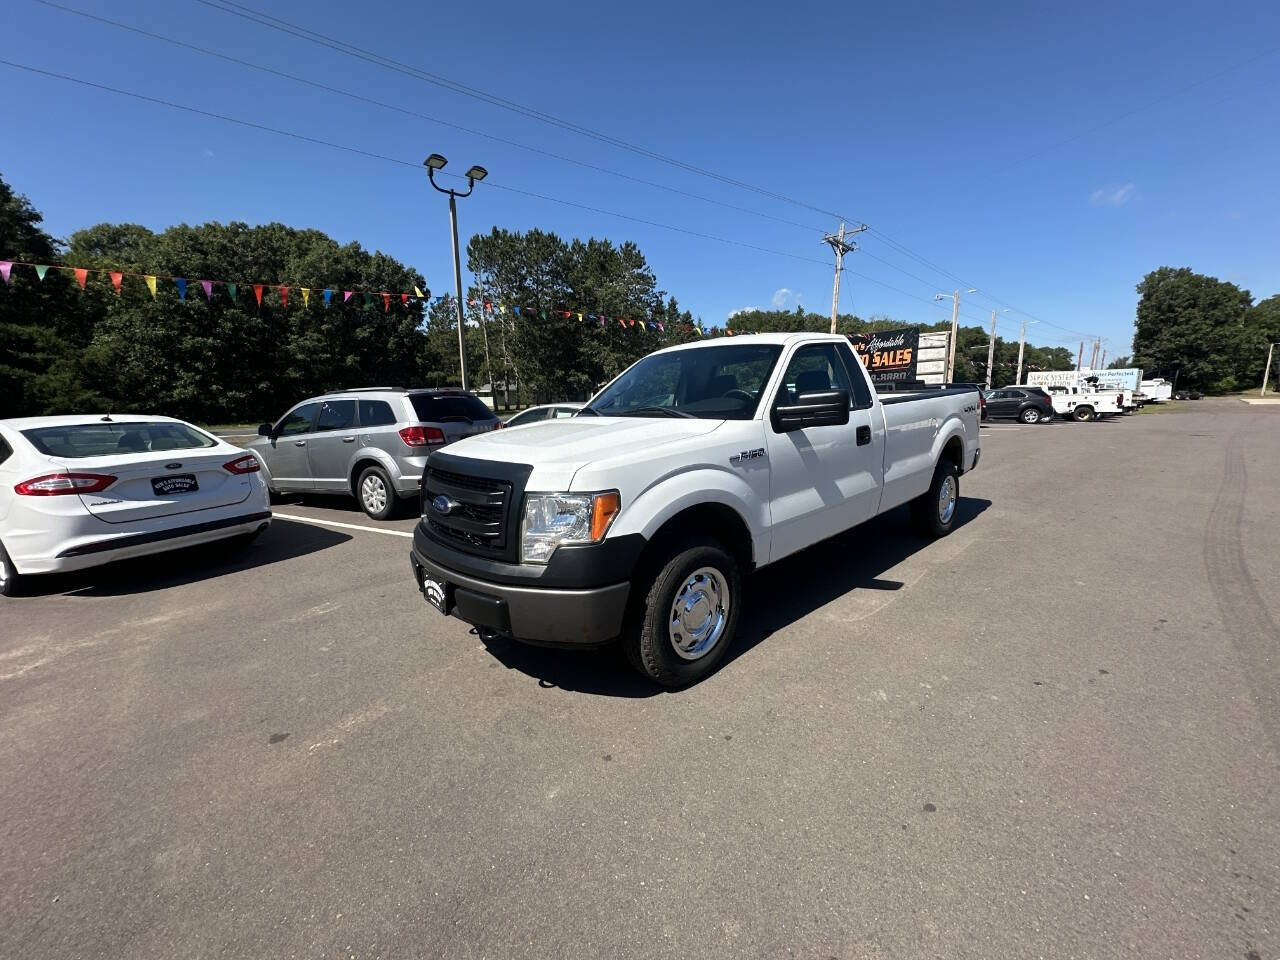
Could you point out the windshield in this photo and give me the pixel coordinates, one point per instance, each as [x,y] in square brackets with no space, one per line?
[714,383]
[446,407]
[105,439]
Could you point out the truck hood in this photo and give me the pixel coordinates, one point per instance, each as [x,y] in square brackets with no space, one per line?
[557,449]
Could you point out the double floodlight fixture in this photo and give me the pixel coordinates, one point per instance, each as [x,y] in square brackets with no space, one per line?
[438,162]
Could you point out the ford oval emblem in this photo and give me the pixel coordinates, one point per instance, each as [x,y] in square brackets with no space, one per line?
[172,466]
[442,505]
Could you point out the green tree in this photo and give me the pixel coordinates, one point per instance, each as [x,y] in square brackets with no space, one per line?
[1194,326]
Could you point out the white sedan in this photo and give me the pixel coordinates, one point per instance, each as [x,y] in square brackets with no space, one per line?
[550,411]
[79,491]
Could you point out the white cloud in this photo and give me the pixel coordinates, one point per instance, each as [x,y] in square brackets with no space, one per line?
[208,154]
[1113,196]
[781,296]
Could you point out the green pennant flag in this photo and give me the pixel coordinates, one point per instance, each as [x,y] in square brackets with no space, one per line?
[368,299]
[231,289]
[41,270]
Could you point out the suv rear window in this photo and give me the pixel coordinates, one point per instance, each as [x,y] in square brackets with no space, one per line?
[442,408]
[376,413]
[107,439]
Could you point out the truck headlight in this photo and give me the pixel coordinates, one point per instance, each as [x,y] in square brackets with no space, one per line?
[551,519]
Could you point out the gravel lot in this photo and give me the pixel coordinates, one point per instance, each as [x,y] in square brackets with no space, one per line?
[1055,733]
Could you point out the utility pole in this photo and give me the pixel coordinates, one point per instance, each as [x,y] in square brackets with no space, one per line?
[1102,364]
[1022,343]
[955,329]
[1079,356]
[991,350]
[838,243]
[1266,371]
[1093,358]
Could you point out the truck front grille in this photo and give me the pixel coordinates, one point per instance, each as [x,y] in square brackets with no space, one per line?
[478,510]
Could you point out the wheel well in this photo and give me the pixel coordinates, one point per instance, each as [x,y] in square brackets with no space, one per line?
[722,522]
[358,468]
[954,451]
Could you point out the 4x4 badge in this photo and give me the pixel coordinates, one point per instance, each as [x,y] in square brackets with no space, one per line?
[745,455]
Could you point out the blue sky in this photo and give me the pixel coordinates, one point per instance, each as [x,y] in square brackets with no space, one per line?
[1048,155]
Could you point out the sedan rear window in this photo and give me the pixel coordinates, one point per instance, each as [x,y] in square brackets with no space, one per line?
[106,439]
[447,407]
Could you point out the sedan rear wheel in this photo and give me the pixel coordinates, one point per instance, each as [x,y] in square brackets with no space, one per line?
[10,580]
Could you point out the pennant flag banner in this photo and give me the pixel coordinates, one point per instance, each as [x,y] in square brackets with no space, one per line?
[525,312]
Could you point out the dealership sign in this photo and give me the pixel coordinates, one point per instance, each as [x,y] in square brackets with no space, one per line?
[889,355]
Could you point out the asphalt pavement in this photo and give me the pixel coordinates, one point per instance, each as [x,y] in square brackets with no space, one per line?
[1055,733]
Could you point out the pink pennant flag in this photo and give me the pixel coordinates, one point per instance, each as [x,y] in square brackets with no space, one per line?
[6,267]
[284,296]
[661,328]
[81,276]
[386,302]
[116,277]
[346,295]
[208,289]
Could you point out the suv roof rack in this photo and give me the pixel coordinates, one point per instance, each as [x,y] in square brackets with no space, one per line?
[370,389]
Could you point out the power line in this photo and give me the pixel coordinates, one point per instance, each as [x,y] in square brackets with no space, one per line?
[405,163]
[420,116]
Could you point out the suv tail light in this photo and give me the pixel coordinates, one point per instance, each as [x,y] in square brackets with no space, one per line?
[246,464]
[60,484]
[422,436]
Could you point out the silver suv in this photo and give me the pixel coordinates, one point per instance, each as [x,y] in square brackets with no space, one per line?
[370,442]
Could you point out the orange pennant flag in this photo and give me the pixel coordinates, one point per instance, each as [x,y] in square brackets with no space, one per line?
[115,280]
[81,276]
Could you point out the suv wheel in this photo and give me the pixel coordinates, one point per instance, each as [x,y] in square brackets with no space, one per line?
[376,495]
[1030,415]
[689,616]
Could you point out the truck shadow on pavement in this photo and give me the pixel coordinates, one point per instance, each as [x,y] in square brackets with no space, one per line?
[284,540]
[776,597]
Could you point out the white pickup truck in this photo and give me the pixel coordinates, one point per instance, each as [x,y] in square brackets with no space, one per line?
[638,518]
[1084,402]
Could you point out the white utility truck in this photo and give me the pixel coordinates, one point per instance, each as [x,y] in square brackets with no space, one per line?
[638,518]
[1083,402]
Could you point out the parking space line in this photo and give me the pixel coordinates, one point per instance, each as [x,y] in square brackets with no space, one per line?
[344,526]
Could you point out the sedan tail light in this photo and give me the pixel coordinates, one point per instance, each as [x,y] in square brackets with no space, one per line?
[60,484]
[246,464]
[422,436]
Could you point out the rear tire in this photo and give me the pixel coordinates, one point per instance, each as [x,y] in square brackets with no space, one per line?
[934,513]
[1083,414]
[681,630]
[376,494]
[11,582]
[1029,415]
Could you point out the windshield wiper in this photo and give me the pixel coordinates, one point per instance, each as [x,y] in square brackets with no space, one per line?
[665,411]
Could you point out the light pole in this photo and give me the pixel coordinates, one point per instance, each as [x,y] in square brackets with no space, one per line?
[955,328]
[1266,371]
[474,175]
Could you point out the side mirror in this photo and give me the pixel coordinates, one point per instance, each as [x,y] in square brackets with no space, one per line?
[826,408]
[264,429]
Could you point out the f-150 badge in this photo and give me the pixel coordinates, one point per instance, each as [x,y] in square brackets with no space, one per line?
[745,455]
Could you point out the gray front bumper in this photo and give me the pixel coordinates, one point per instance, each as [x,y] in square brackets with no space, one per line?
[544,615]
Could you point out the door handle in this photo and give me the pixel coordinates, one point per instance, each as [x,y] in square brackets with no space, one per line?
[863,435]
[299,443]
[348,439]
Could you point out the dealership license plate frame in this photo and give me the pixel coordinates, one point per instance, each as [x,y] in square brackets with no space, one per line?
[436,593]
[174,483]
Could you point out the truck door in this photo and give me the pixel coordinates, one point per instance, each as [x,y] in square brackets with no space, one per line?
[823,479]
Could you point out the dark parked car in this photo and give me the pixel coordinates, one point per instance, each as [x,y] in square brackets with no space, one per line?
[982,395]
[1028,404]
[1189,395]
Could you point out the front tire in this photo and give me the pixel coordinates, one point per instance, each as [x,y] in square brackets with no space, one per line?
[376,494]
[934,513]
[688,617]
[11,582]
[1030,415]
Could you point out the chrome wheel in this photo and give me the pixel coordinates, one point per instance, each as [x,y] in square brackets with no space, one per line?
[373,493]
[699,613]
[1031,416]
[947,499]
